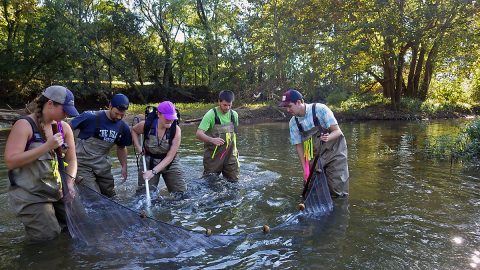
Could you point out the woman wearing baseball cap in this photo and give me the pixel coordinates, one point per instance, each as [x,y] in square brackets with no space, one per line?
[35,191]
[162,140]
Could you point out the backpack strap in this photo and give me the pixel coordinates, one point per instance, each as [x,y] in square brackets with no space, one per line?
[172,131]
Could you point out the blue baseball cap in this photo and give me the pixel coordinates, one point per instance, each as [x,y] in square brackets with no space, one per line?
[62,96]
[120,101]
[291,95]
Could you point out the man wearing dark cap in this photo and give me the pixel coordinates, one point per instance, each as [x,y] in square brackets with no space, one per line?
[98,132]
[311,125]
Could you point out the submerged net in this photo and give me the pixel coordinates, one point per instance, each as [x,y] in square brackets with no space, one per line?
[318,201]
[104,224]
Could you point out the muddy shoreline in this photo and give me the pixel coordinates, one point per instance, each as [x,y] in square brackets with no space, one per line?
[275,114]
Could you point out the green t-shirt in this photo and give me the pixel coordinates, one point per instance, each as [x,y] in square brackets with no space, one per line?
[208,120]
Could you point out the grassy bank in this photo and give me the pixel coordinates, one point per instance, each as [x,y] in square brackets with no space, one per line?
[357,107]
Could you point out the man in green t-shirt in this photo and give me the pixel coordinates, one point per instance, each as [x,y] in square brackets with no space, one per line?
[218,130]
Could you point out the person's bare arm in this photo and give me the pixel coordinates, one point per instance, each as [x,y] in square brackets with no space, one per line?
[15,154]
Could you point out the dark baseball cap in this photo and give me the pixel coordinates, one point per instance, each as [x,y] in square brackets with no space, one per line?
[120,101]
[290,95]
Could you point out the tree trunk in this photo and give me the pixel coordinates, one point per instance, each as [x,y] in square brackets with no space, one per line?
[427,75]
[211,58]
[168,70]
[409,92]
[418,72]
[399,79]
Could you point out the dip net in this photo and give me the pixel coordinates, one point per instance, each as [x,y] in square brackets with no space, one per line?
[104,224]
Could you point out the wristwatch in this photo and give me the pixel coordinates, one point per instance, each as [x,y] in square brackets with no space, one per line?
[154,172]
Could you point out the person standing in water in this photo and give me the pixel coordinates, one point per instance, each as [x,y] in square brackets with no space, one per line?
[35,191]
[218,130]
[315,131]
[162,140]
[99,131]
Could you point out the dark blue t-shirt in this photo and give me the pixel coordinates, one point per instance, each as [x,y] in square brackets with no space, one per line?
[108,130]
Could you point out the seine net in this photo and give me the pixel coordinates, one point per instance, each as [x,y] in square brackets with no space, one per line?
[104,224]
[318,201]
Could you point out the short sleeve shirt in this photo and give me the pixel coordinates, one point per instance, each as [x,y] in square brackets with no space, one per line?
[110,131]
[208,120]
[325,117]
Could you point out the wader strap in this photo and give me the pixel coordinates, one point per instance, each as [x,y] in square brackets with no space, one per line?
[316,122]
[97,126]
[10,178]
[232,119]
[37,136]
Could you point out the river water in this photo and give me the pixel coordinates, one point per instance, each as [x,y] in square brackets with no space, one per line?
[405,210]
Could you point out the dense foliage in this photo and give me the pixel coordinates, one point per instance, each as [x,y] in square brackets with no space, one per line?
[188,49]
[465,145]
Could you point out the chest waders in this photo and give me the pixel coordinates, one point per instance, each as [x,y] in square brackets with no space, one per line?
[94,162]
[333,155]
[35,192]
[222,158]
[156,150]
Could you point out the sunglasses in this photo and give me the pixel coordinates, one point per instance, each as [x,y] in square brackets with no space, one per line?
[122,107]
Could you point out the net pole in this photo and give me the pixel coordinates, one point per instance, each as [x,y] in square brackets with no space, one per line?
[147,186]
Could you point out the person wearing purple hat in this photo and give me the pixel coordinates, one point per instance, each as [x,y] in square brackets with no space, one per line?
[218,130]
[160,146]
[315,131]
[98,132]
[35,185]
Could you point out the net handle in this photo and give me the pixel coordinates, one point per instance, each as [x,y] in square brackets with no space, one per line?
[61,164]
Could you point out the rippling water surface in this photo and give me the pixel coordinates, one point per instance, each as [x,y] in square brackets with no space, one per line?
[405,210]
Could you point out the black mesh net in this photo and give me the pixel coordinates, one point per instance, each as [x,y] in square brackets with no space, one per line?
[104,224]
[318,201]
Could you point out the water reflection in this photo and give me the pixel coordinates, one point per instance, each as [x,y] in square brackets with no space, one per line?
[405,210]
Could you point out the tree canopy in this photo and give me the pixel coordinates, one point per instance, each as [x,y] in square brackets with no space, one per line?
[187,49]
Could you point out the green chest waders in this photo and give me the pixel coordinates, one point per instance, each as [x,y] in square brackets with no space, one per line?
[222,158]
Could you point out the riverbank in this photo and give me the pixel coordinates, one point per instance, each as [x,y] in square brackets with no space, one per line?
[275,114]
[271,113]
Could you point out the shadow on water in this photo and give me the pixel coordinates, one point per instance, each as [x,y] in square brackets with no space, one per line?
[405,211]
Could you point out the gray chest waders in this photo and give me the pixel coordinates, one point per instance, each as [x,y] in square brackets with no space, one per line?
[156,150]
[333,156]
[95,165]
[34,193]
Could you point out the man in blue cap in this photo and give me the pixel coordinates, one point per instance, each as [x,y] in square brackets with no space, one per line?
[98,132]
[315,132]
